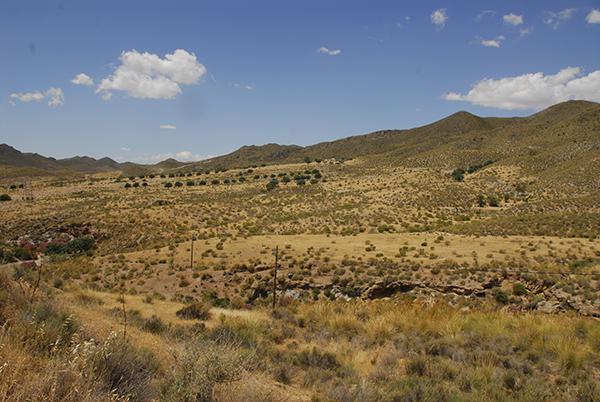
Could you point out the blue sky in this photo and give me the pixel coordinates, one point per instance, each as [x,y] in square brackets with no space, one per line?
[253,72]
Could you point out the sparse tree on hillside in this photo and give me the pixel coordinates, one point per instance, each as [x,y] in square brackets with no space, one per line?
[272,184]
[458,174]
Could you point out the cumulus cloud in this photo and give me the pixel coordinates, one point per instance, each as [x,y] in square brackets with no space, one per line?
[83,79]
[167,127]
[439,17]
[532,91]
[55,97]
[593,17]
[555,19]
[148,76]
[492,42]
[513,19]
[330,52]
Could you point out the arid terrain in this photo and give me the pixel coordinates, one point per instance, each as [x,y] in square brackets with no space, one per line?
[455,261]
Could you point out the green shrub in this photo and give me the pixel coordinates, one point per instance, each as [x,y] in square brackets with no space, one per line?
[500,296]
[519,289]
[272,184]
[76,246]
[458,174]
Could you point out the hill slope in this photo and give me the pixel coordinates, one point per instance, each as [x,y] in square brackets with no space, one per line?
[564,134]
[558,141]
[15,163]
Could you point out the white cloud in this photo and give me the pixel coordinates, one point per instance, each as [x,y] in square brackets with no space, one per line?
[125,149]
[248,87]
[593,17]
[167,127]
[555,19]
[492,42]
[330,52]
[55,96]
[28,96]
[106,96]
[513,19]
[184,155]
[147,76]
[439,17]
[484,14]
[532,91]
[525,31]
[83,79]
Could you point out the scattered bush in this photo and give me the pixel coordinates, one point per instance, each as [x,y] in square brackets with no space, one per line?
[195,311]
[458,174]
[76,246]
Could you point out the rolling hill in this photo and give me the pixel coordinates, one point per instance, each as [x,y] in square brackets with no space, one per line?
[14,163]
[555,142]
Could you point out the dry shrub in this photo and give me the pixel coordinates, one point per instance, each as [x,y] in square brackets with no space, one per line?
[203,366]
[43,356]
[252,389]
[195,311]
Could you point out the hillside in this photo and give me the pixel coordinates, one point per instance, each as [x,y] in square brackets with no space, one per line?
[459,139]
[553,142]
[15,163]
[391,271]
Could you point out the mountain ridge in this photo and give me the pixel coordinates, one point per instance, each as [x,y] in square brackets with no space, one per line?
[458,139]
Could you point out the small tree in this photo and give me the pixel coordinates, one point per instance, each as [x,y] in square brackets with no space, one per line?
[493,200]
[168,184]
[5,197]
[272,184]
[481,200]
[178,184]
[127,185]
[458,174]
[307,159]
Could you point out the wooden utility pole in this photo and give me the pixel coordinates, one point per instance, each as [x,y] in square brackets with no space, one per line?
[124,314]
[192,255]
[275,276]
